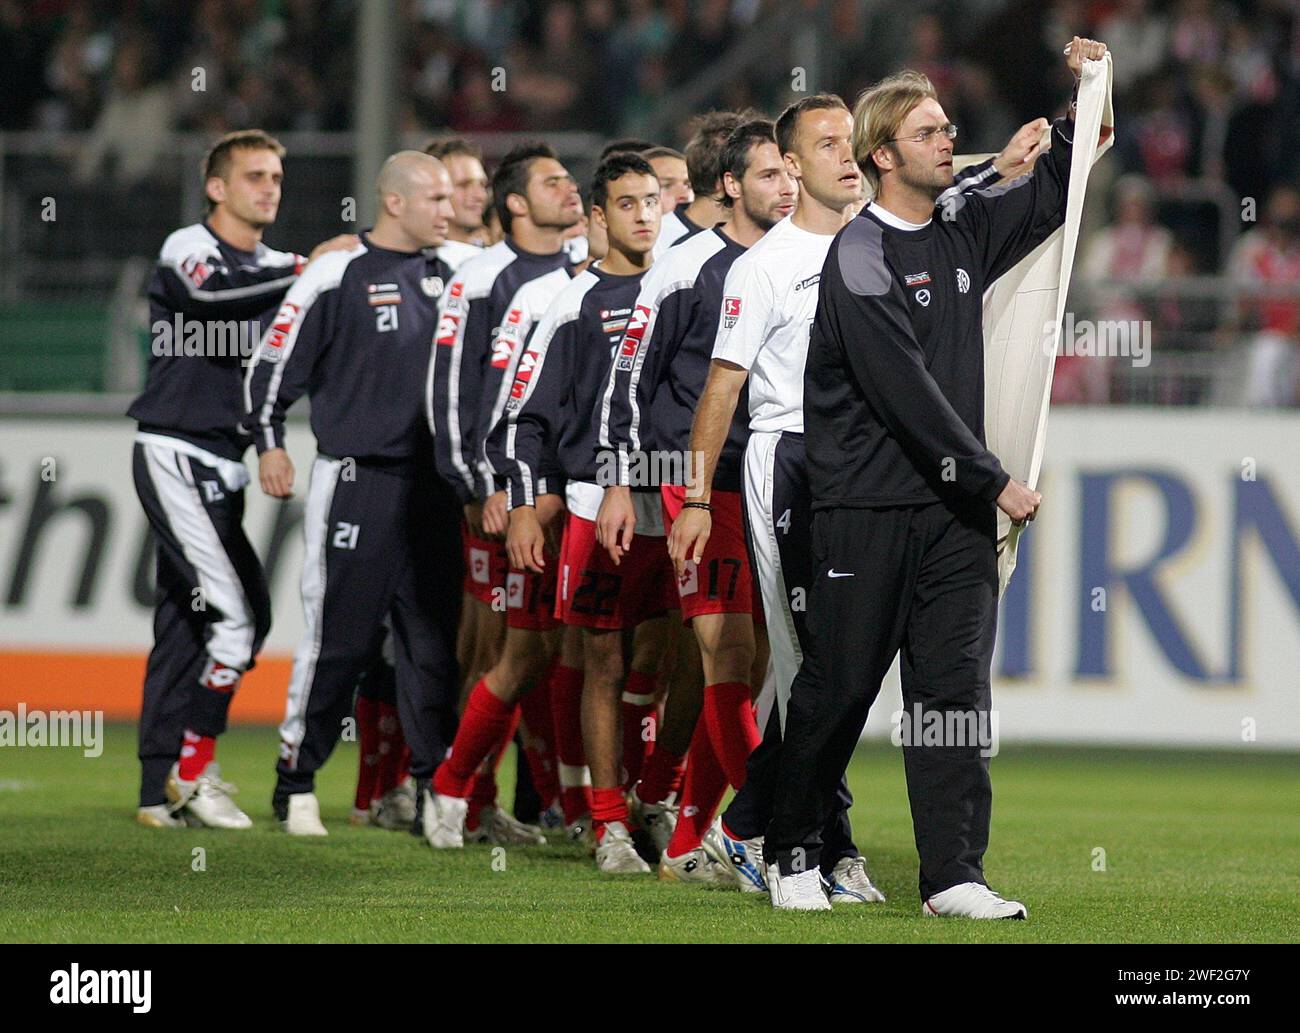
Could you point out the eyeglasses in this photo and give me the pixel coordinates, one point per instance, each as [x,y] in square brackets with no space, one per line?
[923,137]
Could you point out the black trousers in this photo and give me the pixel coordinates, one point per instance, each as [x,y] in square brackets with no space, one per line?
[921,580]
[212,608]
[778,524]
[381,540]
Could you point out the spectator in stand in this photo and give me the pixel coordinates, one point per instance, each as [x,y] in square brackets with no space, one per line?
[1161,137]
[1268,256]
[1138,38]
[476,107]
[132,130]
[1134,248]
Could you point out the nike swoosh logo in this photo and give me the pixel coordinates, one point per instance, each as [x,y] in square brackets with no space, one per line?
[836,573]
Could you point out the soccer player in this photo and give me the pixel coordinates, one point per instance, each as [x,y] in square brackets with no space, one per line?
[537,201]
[904,490]
[469,198]
[384,796]
[774,286]
[646,410]
[674,179]
[213,609]
[704,170]
[548,434]
[380,526]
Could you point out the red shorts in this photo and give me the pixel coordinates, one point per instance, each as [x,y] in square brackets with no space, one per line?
[485,565]
[594,593]
[530,599]
[722,582]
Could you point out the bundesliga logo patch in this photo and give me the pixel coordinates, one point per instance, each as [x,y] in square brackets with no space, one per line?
[730,312]
[916,279]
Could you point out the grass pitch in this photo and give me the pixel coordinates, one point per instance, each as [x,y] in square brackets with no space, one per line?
[1101,845]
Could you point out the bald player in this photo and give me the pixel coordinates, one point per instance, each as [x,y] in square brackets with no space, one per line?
[381,526]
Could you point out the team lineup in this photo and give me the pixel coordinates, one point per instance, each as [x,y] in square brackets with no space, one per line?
[659,484]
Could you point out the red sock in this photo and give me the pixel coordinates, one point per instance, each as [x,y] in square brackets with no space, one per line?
[539,737]
[367,714]
[404,765]
[196,752]
[566,712]
[607,804]
[729,718]
[391,743]
[483,793]
[661,777]
[484,723]
[701,793]
[639,712]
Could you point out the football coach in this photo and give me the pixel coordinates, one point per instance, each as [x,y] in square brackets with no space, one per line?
[904,489]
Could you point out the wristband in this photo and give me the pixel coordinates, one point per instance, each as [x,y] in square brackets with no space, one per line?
[706,506]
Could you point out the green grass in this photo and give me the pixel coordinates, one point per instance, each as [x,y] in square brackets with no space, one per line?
[1199,847]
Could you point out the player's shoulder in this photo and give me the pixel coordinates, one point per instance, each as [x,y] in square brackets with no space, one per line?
[478,272]
[773,253]
[859,256]
[325,272]
[189,242]
[456,253]
[682,262]
[269,257]
[569,301]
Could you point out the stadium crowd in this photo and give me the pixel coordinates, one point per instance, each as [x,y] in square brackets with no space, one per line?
[1209,94]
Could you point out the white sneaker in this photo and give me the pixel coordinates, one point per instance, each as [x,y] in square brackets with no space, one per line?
[504,829]
[743,858]
[206,799]
[658,819]
[304,816]
[802,892]
[444,820]
[695,866]
[850,884]
[616,855]
[158,816]
[972,900]
[395,809]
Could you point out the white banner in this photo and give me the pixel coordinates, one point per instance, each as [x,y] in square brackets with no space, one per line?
[1156,598]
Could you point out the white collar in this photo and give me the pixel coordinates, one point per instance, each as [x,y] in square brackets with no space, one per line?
[890,219]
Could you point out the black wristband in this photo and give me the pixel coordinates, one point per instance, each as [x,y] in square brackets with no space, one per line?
[706,506]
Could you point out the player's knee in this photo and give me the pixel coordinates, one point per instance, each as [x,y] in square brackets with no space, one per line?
[730,660]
